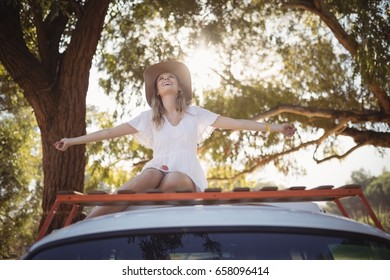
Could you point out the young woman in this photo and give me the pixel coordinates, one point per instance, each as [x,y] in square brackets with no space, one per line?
[173,129]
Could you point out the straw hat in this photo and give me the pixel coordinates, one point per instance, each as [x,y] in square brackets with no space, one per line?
[175,67]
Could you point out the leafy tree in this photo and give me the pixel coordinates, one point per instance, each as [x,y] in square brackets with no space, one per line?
[111,163]
[20,180]
[47,48]
[321,73]
[377,192]
[315,86]
[355,208]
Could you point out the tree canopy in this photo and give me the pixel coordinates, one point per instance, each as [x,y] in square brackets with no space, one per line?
[20,176]
[320,65]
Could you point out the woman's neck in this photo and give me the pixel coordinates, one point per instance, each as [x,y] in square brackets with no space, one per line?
[169,105]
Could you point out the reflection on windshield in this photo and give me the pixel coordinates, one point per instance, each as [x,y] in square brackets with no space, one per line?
[162,246]
[222,245]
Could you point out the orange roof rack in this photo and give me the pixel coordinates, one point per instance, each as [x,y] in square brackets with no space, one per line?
[209,196]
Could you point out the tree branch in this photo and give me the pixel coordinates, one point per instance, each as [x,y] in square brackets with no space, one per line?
[49,32]
[352,116]
[77,60]
[267,159]
[368,137]
[262,161]
[362,138]
[78,50]
[319,8]
[19,61]
[339,156]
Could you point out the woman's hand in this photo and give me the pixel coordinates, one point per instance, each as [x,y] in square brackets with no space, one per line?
[63,144]
[288,130]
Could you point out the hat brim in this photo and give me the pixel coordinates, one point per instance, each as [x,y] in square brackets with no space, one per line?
[175,67]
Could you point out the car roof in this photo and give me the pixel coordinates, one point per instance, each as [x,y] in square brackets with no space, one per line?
[144,218]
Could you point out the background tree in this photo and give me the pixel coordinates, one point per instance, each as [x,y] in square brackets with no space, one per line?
[47,48]
[307,62]
[377,192]
[107,163]
[20,173]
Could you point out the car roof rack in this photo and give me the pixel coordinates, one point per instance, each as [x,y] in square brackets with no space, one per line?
[209,196]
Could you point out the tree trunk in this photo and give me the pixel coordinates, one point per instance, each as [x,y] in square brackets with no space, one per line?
[64,171]
[56,94]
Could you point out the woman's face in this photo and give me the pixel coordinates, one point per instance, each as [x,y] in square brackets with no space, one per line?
[167,83]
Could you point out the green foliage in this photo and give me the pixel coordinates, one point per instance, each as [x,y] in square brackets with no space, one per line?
[47,11]
[11,99]
[20,171]
[318,70]
[377,192]
[20,181]
[269,56]
[368,22]
[114,162]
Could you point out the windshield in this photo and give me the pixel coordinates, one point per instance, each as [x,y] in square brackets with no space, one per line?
[239,245]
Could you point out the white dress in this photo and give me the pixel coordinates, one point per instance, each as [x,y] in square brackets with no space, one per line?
[175,147]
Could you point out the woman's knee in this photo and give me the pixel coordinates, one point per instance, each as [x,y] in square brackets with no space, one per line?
[148,179]
[177,181]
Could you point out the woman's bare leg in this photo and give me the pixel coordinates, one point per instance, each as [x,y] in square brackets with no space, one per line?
[177,181]
[148,179]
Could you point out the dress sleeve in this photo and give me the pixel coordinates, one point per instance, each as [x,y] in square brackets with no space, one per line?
[143,124]
[205,119]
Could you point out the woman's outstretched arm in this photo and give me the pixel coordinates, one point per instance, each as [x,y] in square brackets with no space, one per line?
[241,124]
[99,135]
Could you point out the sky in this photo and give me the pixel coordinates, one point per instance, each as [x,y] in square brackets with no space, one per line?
[333,172]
